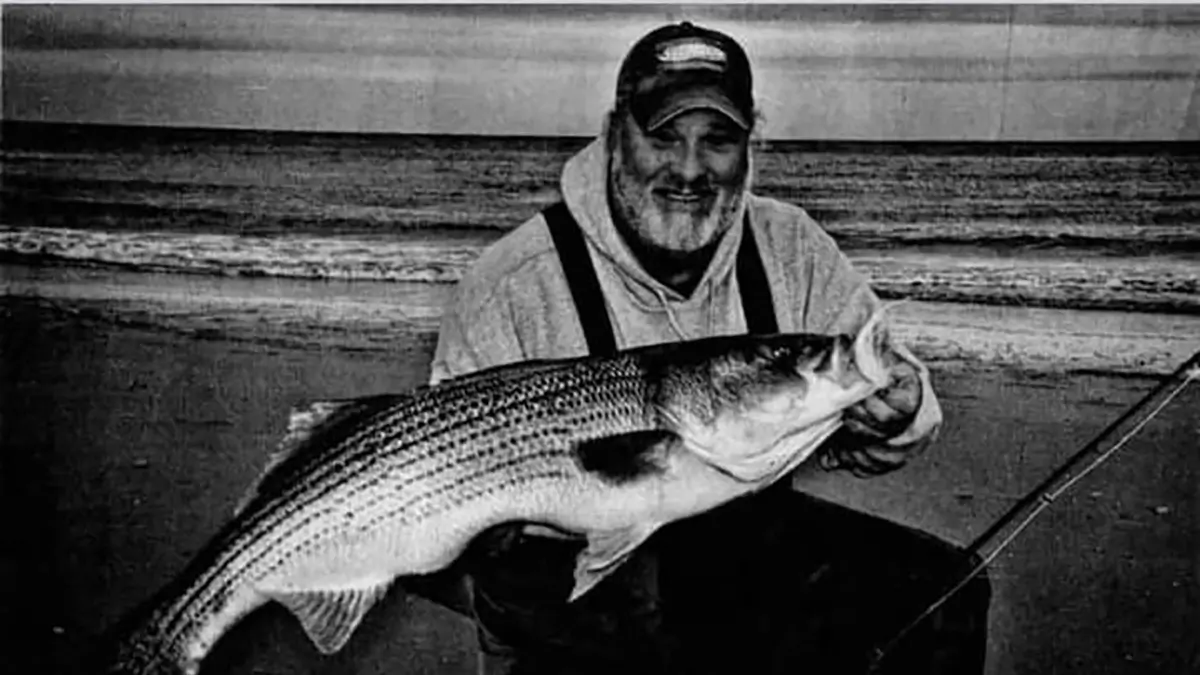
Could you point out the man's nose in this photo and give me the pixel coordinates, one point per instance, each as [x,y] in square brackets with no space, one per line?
[689,164]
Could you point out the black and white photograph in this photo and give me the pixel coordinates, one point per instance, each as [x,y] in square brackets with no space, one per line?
[580,339]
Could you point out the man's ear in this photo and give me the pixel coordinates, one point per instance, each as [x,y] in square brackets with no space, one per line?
[610,129]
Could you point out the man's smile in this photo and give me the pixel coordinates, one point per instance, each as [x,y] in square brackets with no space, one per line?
[686,200]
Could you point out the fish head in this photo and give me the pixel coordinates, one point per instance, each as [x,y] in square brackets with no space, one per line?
[817,375]
[766,402]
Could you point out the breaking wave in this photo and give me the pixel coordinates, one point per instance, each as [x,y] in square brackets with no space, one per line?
[1146,283]
[300,257]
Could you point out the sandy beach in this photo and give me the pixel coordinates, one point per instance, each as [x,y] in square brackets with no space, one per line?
[136,411]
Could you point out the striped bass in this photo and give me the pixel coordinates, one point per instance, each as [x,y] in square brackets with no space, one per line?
[362,491]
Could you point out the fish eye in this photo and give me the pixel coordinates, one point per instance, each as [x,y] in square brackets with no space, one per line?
[773,352]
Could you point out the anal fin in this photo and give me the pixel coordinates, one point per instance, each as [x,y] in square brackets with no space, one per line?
[605,553]
[329,617]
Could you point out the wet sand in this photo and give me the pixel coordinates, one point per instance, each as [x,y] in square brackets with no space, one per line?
[126,444]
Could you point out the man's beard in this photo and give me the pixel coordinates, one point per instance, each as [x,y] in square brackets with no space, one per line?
[678,235]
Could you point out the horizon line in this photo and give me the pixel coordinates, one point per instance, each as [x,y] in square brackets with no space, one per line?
[183,128]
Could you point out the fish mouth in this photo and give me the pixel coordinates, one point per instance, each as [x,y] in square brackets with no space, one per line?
[842,364]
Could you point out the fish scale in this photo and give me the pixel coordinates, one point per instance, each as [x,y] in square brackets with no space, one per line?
[362,491]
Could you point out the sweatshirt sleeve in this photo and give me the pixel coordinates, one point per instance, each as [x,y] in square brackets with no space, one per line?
[838,299]
[476,333]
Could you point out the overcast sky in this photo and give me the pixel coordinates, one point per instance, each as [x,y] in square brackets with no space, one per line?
[969,72]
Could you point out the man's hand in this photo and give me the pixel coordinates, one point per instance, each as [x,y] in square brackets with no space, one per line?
[889,411]
[860,445]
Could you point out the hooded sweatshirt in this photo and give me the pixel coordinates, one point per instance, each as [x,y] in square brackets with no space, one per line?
[514,303]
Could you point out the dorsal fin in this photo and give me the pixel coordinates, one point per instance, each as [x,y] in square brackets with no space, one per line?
[309,422]
[302,424]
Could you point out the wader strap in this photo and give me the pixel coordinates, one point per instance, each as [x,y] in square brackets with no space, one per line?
[752,280]
[589,299]
[581,278]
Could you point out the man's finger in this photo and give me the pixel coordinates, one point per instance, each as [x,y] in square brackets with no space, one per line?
[860,424]
[862,462]
[829,459]
[873,462]
[876,415]
[887,457]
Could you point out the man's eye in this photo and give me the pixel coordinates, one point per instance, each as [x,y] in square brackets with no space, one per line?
[662,139]
[721,140]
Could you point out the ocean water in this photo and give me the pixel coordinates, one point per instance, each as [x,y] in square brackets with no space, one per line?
[1089,226]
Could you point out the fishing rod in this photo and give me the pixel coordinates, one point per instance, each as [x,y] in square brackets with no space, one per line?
[1063,478]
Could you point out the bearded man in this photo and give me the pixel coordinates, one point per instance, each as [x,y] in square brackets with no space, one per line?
[658,238]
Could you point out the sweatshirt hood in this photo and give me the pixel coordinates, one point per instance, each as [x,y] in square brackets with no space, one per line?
[585,191]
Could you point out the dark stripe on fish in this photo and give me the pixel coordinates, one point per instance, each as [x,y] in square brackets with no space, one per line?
[626,457]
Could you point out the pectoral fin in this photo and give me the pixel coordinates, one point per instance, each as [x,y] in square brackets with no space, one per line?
[330,617]
[605,553]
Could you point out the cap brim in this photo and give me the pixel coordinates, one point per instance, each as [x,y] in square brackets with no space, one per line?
[705,98]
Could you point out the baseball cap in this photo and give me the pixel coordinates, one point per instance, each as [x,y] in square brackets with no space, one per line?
[682,67]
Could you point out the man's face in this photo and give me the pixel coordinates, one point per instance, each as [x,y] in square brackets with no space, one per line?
[679,186]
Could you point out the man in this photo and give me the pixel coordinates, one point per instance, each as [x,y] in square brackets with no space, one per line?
[660,239]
